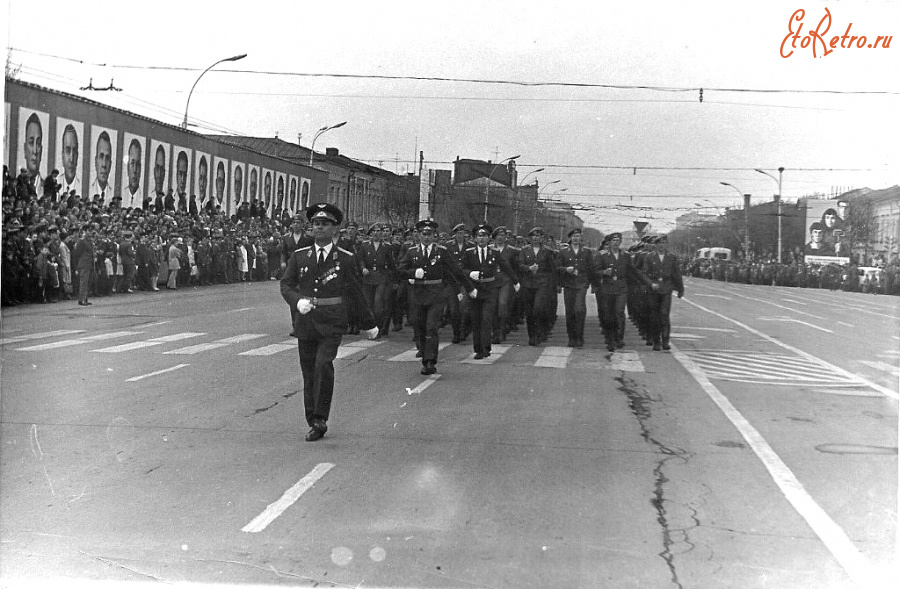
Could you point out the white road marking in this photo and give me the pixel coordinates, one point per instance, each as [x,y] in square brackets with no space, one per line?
[410,355]
[626,360]
[724,329]
[792,320]
[496,352]
[355,346]
[424,385]
[883,390]
[241,309]
[163,371]
[697,294]
[844,324]
[686,336]
[883,366]
[834,538]
[216,344]
[74,342]
[290,496]
[793,301]
[157,324]
[290,344]
[554,357]
[22,338]
[148,343]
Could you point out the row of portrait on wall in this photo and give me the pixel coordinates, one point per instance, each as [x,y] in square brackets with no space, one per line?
[233,182]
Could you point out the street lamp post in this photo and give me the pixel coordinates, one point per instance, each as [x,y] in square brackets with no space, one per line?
[778,206]
[516,221]
[316,136]
[184,124]
[487,185]
[746,198]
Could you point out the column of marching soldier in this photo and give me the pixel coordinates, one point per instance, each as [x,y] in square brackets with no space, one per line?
[484,287]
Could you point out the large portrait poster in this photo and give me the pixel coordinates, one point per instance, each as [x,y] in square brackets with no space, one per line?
[220,184]
[103,162]
[238,185]
[304,193]
[280,192]
[181,171]
[267,191]
[68,157]
[292,195]
[6,150]
[159,170]
[827,232]
[33,127]
[253,183]
[133,185]
[202,167]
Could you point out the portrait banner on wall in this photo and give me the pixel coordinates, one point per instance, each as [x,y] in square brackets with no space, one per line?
[202,166]
[280,193]
[304,194]
[253,183]
[220,183]
[292,194]
[180,173]
[68,157]
[6,150]
[238,185]
[267,185]
[159,171]
[134,155]
[33,127]
[103,162]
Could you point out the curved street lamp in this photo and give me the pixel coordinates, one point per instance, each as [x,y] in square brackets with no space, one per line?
[487,185]
[319,132]
[184,124]
[522,182]
[746,198]
[778,206]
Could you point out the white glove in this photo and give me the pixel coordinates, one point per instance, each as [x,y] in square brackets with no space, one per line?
[474,293]
[474,274]
[571,269]
[365,272]
[420,273]
[304,306]
[516,287]
[459,297]
[372,333]
[533,268]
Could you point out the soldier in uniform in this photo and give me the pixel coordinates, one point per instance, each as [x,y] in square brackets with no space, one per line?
[483,265]
[426,267]
[291,242]
[506,291]
[322,281]
[612,271]
[662,274]
[458,308]
[538,270]
[399,299]
[573,267]
[376,262]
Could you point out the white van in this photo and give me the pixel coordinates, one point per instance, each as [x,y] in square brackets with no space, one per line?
[714,253]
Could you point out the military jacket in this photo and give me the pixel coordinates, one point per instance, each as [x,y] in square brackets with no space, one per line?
[487,270]
[665,272]
[581,261]
[545,259]
[622,271]
[380,263]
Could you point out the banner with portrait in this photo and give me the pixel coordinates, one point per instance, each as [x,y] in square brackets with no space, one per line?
[134,155]
[159,170]
[7,108]
[103,162]
[69,155]
[292,194]
[267,189]
[180,171]
[220,183]
[279,202]
[238,186]
[34,125]
[254,183]
[304,194]
[827,230]
[200,188]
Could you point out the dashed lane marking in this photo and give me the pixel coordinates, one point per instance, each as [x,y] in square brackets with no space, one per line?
[792,320]
[290,496]
[163,371]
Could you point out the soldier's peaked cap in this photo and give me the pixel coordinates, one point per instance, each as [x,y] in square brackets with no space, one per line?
[482,227]
[458,227]
[538,230]
[426,224]
[324,210]
[574,231]
[614,236]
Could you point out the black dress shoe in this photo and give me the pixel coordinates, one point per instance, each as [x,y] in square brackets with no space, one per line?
[314,434]
[666,346]
[479,356]
[429,369]
[496,339]
[456,339]
[620,344]
[657,347]
[419,354]
[398,328]
[610,347]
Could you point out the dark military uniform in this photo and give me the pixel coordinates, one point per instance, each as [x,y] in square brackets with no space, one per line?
[575,287]
[504,320]
[484,265]
[538,291]
[459,310]
[376,262]
[665,273]
[611,276]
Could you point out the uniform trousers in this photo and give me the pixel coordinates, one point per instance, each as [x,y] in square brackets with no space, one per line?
[576,311]
[483,317]
[84,285]
[317,365]
[536,304]
[659,307]
[425,314]
[613,315]
[377,297]
[399,303]
[459,310]
[505,301]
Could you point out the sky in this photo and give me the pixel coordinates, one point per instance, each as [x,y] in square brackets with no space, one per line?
[645,150]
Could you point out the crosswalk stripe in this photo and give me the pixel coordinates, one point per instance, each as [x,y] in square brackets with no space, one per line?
[721,363]
[290,344]
[626,361]
[148,343]
[74,342]
[883,366]
[410,355]
[764,359]
[496,353]
[554,357]
[355,347]
[216,344]
[22,338]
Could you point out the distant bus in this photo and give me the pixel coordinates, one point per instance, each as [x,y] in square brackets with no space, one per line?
[713,253]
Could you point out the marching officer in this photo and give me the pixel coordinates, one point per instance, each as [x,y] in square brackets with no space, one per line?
[662,274]
[458,308]
[426,267]
[291,242]
[484,264]
[376,261]
[612,272]
[506,292]
[573,266]
[538,288]
[322,281]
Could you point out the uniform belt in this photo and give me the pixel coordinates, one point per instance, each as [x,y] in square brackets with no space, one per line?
[490,279]
[327,302]
[426,282]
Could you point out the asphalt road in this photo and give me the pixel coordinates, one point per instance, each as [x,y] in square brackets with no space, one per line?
[159,437]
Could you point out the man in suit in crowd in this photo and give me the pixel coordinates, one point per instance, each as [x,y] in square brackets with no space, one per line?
[84,263]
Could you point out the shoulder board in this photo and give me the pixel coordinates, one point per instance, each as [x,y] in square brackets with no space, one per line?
[440,247]
[345,251]
[470,249]
[302,248]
